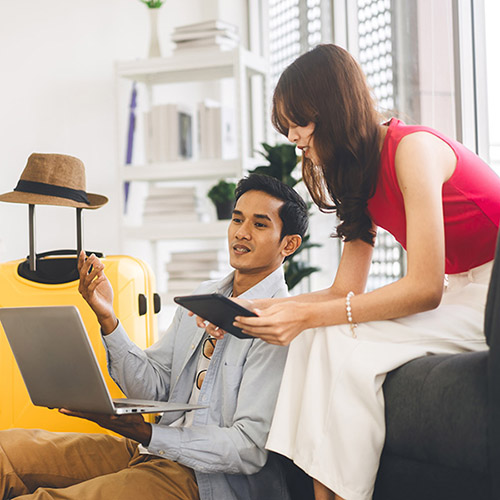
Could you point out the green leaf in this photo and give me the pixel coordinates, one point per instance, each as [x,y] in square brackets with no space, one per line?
[153,4]
[297,271]
[282,161]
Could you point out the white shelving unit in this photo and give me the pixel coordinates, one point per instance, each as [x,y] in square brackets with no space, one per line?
[201,65]
[186,66]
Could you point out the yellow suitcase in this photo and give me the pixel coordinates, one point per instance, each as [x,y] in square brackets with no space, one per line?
[54,282]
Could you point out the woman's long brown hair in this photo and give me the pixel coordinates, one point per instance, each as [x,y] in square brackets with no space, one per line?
[326,86]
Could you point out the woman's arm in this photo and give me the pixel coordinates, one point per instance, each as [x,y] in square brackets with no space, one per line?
[352,274]
[353,269]
[423,163]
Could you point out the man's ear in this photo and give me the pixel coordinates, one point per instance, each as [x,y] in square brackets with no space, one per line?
[292,242]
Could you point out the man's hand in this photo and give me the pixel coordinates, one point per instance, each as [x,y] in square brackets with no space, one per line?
[132,426]
[210,328]
[96,289]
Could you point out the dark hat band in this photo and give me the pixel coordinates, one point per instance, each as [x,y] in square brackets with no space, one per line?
[52,190]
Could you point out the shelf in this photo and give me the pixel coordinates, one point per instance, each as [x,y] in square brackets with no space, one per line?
[191,65]
[178,231]
[188,170]
[182,170]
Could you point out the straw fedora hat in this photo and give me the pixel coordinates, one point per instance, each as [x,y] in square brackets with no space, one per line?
[54,179]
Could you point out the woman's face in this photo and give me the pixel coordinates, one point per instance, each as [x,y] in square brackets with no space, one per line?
[304,140]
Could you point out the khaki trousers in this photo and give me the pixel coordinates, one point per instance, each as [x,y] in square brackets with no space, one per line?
[41,465]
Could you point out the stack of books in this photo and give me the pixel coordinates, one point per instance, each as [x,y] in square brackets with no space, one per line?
[167,204]
[217,131]
[214,33]
[187,270]
[168,133]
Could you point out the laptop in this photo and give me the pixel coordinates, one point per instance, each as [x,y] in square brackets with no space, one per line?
[59,367]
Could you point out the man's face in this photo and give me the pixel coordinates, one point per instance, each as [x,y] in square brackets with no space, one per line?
[254,234]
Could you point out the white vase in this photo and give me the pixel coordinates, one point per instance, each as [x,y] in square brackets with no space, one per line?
[154,44]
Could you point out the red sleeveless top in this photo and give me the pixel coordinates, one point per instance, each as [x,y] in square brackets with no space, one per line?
[471,202]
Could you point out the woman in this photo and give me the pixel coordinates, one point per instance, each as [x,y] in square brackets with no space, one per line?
[439,200]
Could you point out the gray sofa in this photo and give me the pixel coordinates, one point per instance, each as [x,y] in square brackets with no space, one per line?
[443,421]
[443,424]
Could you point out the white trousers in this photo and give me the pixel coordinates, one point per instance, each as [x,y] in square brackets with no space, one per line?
[329,417]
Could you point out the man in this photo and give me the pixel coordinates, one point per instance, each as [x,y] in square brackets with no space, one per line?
[214,453]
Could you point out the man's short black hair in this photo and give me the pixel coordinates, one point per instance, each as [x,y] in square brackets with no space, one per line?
[293,212]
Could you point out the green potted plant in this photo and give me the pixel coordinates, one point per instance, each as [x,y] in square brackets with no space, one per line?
[222,196]
[282,161]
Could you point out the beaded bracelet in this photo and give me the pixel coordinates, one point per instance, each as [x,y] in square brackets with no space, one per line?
[348,309]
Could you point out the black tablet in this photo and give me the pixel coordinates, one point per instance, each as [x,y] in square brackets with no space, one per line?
[217,309]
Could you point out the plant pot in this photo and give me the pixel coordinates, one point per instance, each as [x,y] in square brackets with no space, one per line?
[224,209]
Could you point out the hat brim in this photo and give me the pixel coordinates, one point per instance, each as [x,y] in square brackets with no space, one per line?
[96,200]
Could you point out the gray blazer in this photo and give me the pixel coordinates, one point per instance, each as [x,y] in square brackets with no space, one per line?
[225,444]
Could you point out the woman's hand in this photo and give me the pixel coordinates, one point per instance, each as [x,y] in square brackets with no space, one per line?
[278,324]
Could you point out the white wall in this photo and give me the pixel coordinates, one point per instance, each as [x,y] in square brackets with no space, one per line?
[57,95]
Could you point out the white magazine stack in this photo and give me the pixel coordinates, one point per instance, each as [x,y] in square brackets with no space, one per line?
[209,33]
[216,131]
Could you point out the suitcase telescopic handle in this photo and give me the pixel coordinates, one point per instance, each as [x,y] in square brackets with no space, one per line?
[32,255]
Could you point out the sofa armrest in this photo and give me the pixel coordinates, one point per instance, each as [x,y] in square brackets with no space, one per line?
[436,410]
[437,434]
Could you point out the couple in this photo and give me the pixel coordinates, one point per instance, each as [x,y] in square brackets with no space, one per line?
[438,199]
